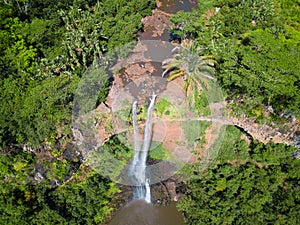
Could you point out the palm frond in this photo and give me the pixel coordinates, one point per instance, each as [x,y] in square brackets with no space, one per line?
[167,61]
[186,86]
[172,66]
[188,60]
[201,81]
[175,74]
[173,63]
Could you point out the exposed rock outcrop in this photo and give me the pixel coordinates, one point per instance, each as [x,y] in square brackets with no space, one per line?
[287,133]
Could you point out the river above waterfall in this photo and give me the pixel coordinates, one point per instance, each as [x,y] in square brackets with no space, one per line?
[173,6]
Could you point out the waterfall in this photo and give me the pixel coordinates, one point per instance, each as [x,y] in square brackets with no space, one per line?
[148,193]
[147,132]
[137,171]
[135,132]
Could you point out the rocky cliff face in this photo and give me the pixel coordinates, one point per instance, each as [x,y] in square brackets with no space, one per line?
[288,133]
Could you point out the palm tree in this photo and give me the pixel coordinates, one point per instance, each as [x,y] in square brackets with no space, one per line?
[188,62]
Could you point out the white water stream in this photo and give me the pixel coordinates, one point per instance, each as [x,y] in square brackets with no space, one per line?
[137,172]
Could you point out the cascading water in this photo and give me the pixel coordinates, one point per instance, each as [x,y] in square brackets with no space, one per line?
[137,172]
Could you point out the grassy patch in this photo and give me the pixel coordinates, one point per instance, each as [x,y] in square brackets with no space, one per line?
[162,107]
[194,131]
[159,153]
[201,104]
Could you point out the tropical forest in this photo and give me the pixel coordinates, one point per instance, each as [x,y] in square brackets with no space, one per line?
[149,112]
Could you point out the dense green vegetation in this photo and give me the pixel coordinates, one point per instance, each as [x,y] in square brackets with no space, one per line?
[248,184]
[46,47]
[45,51]
[252,48]
[84,200]
[256,44]
[56,189]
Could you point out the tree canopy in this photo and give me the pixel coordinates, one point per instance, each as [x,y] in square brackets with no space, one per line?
[248,183]
[256,44]
[46,47]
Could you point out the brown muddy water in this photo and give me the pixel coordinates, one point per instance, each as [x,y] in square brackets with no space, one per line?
[139,212]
